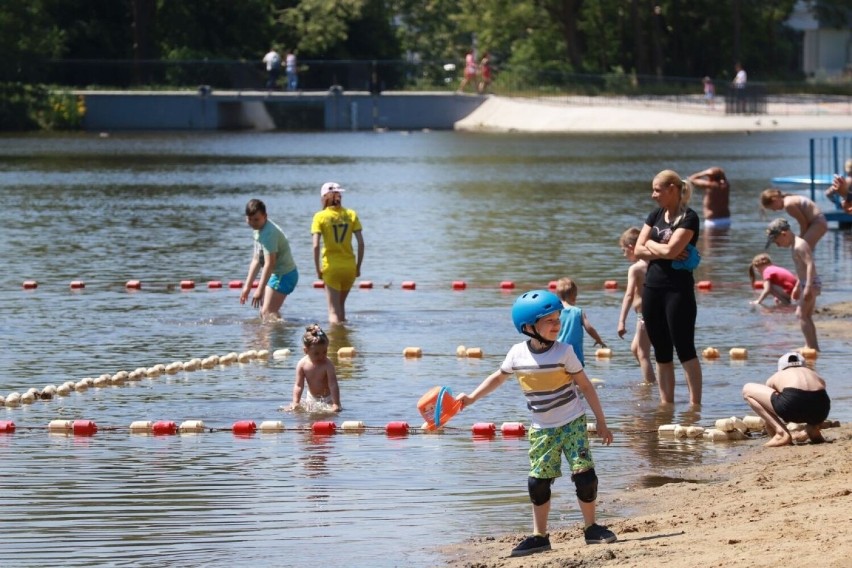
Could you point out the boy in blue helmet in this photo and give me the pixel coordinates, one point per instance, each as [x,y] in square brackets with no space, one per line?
[550,374]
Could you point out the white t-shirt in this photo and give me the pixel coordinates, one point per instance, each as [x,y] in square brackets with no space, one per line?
[545,379]
[272,60]
[740,79]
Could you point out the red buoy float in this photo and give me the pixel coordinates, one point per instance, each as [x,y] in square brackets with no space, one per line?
[409,285]
[459,284]
[551,285]
[486,429]
[235,284]
[133,285]
[77,284]
[507,285]
[244,427]
[397,428]
[30,284]
[365,284]
[7,426]
[187,284]
[319,284]
[164,428]
[704,285]
[323,427]
[214,284]
[513,429]
[610,285]
[84,428]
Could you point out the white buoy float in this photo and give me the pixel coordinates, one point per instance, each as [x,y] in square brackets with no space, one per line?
[271,426]
[281,353]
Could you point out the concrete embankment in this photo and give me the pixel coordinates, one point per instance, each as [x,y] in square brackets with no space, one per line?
[262,110]
[336,110]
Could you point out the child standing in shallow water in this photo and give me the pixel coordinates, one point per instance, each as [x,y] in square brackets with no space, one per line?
[641,344]
[550,376]
[573,319]
[317,370]
[777,281]
[808,286]
[812,222]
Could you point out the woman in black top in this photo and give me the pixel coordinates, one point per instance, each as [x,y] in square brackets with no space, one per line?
[668,299]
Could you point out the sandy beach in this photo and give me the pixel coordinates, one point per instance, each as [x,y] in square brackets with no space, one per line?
[767,508]
[585,115]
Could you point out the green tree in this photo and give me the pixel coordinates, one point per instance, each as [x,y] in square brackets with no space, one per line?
[24,52]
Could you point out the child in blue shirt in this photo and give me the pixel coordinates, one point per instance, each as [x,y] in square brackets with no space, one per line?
[573,319]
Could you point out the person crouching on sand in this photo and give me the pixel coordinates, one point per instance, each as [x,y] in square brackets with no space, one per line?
[794,394]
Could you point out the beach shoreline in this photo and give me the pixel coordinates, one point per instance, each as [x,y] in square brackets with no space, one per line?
[502,114]
[764,508]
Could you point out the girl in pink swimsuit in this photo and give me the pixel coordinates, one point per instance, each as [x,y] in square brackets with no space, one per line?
[777,281]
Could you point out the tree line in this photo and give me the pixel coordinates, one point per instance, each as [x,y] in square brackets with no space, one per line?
[683,38]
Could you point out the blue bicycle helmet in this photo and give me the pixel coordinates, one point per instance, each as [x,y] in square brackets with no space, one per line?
[533,305]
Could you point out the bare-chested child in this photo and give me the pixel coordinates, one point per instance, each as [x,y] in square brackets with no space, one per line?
[641,345]
[794,394]
[317,370]
[840,190]
[809,286]
[812,222]
[714,182]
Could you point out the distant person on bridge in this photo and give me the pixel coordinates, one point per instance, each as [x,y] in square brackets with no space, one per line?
[484,73]
[273,68]
[709,92]
[741,78]
[292,71]
[469,72]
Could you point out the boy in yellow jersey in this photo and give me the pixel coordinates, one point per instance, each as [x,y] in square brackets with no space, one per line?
[549,374]
[335,226]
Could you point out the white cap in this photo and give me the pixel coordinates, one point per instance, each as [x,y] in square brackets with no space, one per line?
[791,359]
[330,186]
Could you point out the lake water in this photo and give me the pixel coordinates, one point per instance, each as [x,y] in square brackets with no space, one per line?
[436,207]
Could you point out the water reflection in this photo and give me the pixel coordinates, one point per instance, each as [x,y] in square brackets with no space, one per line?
[438,207]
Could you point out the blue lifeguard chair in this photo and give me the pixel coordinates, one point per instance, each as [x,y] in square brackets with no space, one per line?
[827,156]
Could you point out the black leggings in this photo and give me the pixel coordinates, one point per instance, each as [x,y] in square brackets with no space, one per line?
[669,316]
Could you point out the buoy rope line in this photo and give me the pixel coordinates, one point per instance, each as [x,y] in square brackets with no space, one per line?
[214,362]
[724,429]
[161,284]
[249,427]
[345,355]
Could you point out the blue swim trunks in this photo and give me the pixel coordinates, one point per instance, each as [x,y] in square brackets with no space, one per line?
[284,283]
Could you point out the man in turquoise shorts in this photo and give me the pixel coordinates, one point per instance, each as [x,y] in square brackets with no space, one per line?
[271,254]
[550,375]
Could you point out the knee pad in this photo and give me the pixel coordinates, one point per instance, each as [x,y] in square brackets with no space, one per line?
[587,485]
[539,490]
